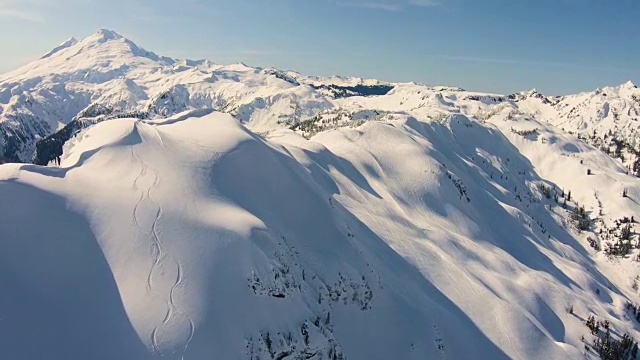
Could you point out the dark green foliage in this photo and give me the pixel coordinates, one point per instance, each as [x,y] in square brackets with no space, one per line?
[593,325]
[581,218]
[606,346]
[358,90]
[636,167]
[546,191]
[625,232]
[525,133]
[622,244]
[611,349]
[50,148]
[462,190]
[267,341]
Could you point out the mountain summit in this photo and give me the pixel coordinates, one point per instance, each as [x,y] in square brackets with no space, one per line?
[66,44]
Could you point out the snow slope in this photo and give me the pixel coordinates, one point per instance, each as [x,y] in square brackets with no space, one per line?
[222,244]
[206,267]
[205,211]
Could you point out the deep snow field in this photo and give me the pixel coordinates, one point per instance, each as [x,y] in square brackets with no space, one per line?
[229,212]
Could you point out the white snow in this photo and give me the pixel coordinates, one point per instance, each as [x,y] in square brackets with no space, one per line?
[410,225]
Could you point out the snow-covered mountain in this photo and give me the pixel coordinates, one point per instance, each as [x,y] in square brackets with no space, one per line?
[204,211]
[107,76]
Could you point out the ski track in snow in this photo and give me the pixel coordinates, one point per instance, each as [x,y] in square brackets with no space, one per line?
[136,188]
[157,134]
[505,333]
[160,257]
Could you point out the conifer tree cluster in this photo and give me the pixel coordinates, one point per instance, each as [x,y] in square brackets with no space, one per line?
[622,235]
[581,218]
[608,347]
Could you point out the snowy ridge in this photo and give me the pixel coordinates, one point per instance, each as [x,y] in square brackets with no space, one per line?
[108,72]
[66,44]
[204,211]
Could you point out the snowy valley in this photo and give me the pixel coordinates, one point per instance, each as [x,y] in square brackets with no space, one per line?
[160,208]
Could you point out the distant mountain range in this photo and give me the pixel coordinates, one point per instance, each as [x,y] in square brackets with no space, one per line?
[107,76]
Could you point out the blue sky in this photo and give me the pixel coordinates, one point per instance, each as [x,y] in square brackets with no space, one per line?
[556,46]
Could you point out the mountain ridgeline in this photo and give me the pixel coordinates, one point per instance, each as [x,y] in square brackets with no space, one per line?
[106,76]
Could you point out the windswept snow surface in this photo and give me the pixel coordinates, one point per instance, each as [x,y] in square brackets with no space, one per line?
[192,237]
[203,211]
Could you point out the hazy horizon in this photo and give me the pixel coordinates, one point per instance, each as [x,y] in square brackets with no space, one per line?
[555,47]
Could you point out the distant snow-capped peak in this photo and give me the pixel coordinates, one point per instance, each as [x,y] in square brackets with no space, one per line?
[66,44]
